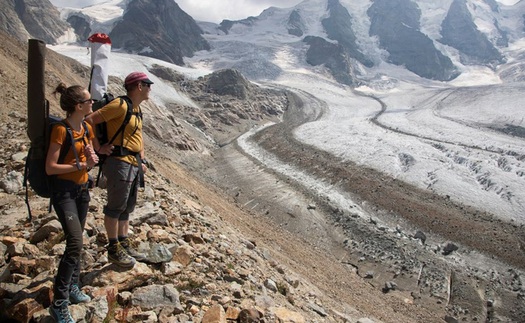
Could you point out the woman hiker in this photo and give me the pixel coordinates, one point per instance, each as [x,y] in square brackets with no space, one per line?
[70,197]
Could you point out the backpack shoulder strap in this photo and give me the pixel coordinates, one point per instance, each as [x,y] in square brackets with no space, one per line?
[69,142]
[129,113]
[86,133]
[130,109]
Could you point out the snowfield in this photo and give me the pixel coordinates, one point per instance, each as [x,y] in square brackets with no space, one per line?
[448,140]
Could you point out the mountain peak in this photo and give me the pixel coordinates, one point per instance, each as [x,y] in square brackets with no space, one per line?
[158,29]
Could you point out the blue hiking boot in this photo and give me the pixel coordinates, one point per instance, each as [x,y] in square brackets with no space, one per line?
[60,312]
[77,296]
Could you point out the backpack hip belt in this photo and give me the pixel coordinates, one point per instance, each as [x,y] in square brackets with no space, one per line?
[63,185]
[119,151]
[123,151]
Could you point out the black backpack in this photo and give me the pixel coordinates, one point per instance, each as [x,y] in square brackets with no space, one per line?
[35,164]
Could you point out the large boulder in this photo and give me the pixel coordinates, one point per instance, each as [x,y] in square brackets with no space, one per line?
[229,82]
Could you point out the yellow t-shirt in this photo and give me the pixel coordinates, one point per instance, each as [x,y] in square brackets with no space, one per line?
[131,138]
[58,135]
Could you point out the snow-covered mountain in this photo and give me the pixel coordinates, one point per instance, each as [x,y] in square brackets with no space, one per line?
[352,39]
[437,40]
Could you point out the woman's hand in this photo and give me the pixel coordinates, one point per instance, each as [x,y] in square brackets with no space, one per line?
[91,156]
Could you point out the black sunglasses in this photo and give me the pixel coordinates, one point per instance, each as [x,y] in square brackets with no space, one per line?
[87,100]
[145,84]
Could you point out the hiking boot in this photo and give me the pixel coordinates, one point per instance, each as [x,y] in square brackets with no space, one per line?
[60,312]
[131,248]
[77,296]
[117,255]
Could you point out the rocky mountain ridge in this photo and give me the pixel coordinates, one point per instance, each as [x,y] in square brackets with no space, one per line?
[401,32]
[32,19]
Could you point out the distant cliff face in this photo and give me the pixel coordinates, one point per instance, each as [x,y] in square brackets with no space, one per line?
[295,24]
[158,29]
[226,24]
[81,25]
[332,56]
[341,57]
[24,19]
[397,25]
[459,31]
[338,26]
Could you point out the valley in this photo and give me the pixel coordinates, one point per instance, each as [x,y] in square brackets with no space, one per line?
[443,256]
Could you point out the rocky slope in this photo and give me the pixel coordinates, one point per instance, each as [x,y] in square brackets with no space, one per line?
[412,241]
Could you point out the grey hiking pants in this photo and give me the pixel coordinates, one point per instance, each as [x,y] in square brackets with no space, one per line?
[122,187]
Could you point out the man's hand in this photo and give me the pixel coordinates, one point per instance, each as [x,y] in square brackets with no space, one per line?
[144,166]
[106,149]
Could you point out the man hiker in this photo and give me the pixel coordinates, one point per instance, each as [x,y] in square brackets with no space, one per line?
[124,165]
